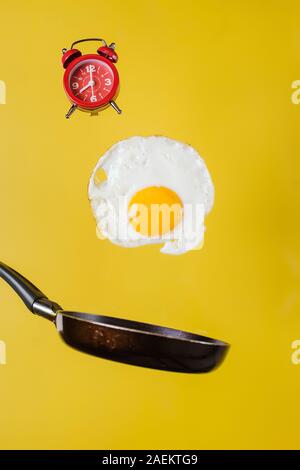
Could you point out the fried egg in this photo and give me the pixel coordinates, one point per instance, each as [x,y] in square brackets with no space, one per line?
[147,190]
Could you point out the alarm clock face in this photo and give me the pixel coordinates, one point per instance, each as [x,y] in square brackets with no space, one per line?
[91,81]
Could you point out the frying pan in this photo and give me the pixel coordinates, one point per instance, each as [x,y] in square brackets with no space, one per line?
[125,341]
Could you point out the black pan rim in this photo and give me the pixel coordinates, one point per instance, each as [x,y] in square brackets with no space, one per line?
[181,334]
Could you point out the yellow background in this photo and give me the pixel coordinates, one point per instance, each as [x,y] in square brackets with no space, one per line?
[216,75]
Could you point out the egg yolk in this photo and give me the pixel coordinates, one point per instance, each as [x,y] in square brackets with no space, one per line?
[155,210]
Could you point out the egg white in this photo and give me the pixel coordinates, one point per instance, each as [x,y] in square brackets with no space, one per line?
[140,162]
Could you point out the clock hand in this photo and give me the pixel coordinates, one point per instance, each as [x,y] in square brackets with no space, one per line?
[91,83]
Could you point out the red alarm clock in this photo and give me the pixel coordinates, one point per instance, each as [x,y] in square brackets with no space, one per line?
[91,81]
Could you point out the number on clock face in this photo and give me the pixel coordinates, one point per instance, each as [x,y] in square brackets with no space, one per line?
[91,81]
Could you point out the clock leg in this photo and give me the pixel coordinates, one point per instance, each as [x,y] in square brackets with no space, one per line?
[71,110]
[115,106]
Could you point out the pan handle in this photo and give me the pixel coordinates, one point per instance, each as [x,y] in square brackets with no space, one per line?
[34,299]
